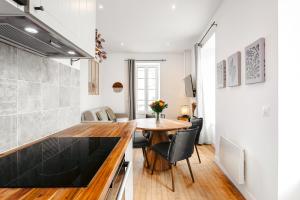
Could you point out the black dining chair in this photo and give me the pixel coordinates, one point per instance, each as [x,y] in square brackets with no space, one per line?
[181,147]
[197,123]
[141,142]
[147,134]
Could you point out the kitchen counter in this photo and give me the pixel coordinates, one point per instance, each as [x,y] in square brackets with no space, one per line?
[100,183]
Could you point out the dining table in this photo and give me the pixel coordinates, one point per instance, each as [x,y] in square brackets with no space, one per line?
[159,130]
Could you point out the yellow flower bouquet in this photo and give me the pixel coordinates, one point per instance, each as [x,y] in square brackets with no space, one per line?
[158,106]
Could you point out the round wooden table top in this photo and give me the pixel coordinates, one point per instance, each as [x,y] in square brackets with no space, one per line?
[150,124]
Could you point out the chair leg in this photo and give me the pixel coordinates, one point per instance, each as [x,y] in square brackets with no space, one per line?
[188,162]
[175,163]
[145,156]
[198,154]
[155,158]
[172,175]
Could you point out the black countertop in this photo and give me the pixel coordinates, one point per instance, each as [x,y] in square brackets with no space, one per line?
[56,162]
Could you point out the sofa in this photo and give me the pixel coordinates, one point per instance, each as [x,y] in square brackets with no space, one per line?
[103,114]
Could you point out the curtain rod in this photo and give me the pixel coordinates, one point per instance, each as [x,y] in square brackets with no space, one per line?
[212,25]
[161,60]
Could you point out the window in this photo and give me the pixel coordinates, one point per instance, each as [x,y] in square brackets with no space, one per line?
[206,89]
[147,86]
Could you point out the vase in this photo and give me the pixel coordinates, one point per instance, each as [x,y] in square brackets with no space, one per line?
[157,116]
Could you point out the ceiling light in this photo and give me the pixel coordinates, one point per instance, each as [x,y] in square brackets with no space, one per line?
[71,52]
[31,30]
[101,6]
[173,6]
[122,43]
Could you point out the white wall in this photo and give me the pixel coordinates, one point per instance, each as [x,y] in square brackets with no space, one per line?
[88,101]
[188,69]
[239,110]
[172,85]
[289,98]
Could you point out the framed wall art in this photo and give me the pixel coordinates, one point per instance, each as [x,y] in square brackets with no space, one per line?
[233,72]
[93,82]
[221,74]
[255,62]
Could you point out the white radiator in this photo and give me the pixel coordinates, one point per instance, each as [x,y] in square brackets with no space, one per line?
[232,159]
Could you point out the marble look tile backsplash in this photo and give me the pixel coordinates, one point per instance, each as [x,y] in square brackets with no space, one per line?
[38,96]
[8,97]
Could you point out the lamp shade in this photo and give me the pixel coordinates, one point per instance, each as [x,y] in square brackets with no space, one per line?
[185,110]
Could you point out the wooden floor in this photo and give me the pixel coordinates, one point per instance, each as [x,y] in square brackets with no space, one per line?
[210,182]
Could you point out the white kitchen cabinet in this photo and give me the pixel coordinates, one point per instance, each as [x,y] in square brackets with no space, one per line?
[87,19]
[73,19]
[9,7]
[129,182]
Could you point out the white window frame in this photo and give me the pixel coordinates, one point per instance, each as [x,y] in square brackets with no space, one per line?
[146,66]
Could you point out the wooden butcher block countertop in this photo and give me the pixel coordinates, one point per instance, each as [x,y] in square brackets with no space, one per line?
[100,183]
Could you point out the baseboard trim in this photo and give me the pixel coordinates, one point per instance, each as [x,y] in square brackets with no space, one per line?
[243,190]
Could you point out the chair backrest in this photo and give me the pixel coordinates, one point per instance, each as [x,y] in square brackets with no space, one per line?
[150,116]
[197,123]
[182,145]
[153,115]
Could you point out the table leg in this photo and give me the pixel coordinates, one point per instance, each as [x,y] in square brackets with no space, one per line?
[157,137]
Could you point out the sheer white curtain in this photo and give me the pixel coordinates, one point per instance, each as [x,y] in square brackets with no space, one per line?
[206,89]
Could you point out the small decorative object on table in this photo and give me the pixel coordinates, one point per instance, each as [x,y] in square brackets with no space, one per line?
[183,118]
[194,105]
[184,113]
[157,107]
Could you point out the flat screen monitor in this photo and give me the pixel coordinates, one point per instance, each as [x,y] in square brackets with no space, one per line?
[189,90]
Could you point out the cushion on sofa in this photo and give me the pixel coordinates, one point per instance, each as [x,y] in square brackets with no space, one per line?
[102,115]
[90,115]
[98,116]
[111,114]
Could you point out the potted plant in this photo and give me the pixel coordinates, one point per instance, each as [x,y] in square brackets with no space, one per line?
[158,106]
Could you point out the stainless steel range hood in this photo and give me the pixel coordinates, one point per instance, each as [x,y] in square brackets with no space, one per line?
[42,41]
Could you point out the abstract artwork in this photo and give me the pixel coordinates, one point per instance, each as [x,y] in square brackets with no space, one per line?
[93,77]
[255,62]
[221,74]
[233,70]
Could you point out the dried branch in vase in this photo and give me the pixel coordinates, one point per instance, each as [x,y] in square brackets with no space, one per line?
[194,105]
[100,54]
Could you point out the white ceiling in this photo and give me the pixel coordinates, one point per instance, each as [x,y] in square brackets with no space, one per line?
[152,25]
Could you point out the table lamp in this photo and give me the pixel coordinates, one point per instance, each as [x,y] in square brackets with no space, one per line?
[185,111]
